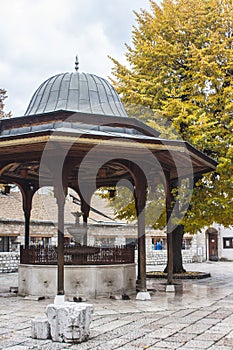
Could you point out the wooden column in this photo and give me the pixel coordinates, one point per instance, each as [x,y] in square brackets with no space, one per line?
[169,229]
[85,208]
[60,248]
[60,194]
[140,202]
[27,194]
[27,214]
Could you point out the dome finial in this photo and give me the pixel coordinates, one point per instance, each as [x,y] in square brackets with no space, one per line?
[76,63]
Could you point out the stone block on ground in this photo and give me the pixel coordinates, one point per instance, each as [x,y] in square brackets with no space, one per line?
[70,321]
[40,328]
[170,288]
[143,296]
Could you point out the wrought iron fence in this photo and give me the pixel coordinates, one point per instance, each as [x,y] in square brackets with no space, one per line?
[86,255]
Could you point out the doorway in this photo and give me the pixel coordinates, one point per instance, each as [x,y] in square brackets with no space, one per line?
[213,244]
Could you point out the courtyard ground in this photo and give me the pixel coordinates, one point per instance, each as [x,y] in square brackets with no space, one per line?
[198,316]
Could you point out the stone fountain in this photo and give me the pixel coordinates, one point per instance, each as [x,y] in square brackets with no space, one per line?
[77,230]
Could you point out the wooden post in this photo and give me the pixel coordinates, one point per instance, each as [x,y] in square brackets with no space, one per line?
[140,202]
[142,252]
[60,248]
[60,193]
[169,229]
[27,194]
[85,209]
[27,215]
[60,170]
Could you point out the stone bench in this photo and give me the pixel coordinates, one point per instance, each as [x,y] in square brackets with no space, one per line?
[68,322]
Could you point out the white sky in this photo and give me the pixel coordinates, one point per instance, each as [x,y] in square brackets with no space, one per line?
[40,38]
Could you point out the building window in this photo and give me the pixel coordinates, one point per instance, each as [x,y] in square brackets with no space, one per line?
[133,241]
[40,241]
[105,242]
[186,243]
[228,242]
[159,243]
[4,244]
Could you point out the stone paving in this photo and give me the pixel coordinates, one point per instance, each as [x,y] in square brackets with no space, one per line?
[198,316]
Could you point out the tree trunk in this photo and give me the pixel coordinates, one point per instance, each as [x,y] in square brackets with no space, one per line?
[177,239]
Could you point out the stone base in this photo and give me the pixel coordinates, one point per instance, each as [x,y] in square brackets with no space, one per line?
[34,297]
[143,296]
[69,322]
[59,299]
[40,328]
[170,288]
[89,281]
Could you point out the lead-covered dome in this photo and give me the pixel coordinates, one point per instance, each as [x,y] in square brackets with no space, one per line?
[78,92]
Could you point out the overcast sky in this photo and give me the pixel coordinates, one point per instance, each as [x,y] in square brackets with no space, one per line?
[40,38]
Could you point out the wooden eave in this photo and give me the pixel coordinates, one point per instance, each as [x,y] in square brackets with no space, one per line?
[171,154]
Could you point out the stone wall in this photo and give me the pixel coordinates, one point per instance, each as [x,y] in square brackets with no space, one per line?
[15,230]
[9,262]
[159,257]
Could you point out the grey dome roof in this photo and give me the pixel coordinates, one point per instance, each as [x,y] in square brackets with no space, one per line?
[78,92]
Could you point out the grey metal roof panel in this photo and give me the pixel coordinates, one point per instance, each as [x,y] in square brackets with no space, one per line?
[78,92]
[71,127]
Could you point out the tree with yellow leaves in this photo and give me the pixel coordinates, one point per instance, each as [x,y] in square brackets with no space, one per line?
[180,67]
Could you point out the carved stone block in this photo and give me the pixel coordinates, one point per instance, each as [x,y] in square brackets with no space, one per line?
[69,322]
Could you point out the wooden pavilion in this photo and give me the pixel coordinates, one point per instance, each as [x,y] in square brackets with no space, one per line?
[76,133]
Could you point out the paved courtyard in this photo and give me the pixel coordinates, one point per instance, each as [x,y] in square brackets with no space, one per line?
[198,316]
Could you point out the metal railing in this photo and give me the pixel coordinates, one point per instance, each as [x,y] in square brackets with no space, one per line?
[85,255]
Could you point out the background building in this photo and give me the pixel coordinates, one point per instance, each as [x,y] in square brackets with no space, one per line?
[103,230]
